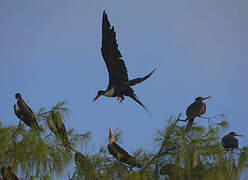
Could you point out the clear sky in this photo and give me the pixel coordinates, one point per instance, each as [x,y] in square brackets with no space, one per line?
[50,51]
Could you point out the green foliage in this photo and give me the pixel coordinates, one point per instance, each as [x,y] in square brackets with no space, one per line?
[38,155]
[197,155]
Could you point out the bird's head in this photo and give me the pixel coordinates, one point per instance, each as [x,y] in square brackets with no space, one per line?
[202,98]
[99,93]
[111,137]
[235,134]
[18,96]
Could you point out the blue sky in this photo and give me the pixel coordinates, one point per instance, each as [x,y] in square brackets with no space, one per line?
[50,51]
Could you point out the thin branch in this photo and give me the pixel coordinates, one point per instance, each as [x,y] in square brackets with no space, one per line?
[46,137]
[130,169]
[161,150]
[13,135]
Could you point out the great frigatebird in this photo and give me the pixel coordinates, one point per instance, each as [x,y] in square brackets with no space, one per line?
[24,112]
[7,173]
[79,158]
[230,142]
[119,153]
[119,84]
[196,109]
[55,123]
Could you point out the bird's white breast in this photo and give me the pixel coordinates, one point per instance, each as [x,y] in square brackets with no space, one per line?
[110,92]
[17,107]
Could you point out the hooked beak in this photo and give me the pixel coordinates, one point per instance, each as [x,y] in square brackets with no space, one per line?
[239,135]
[110,134]
[111,137]
[97,96]
[11,163]
[206,98]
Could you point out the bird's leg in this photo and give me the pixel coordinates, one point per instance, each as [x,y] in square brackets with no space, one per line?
[121,99]
[46,137]
[130,169]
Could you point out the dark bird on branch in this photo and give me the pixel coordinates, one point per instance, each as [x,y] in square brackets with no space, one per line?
[55,123]
[119,153]
[196,109]
[7,172]
[230,142]
[24,112]
[119,84]
[79,158]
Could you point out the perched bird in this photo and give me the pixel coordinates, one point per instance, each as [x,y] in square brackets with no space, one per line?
[196,109]
[119,84]
[24,112]
[119,153]
[7,173]
[79,158]
[230,142]
[55,123]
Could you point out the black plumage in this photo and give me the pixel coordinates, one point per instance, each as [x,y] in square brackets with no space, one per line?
[196,109]
[230,142]
[24,112]
[120,154]
[119,84]
[7,173]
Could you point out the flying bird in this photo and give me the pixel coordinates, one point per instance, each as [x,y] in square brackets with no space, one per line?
[230,142]
[55,123]
[24,112]
[119,84]
[196,109]
[119,153]
[79,158]
[7,173]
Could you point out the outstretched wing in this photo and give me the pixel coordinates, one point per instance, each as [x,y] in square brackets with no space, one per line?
[111,54]
[139,80]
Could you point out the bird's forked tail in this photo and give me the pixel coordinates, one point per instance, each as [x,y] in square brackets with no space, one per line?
[135,98]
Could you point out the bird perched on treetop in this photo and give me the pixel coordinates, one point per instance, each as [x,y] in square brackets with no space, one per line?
[7,172]
[55,123]
[119,84]
[79,158]
[230,142]
[121,154]
[196,109]
[24,112]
